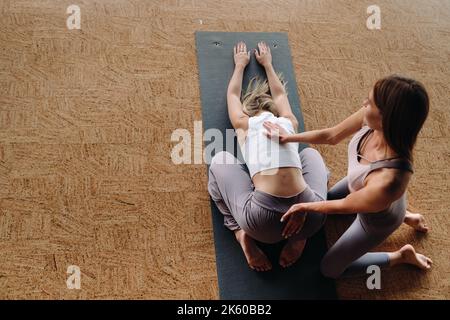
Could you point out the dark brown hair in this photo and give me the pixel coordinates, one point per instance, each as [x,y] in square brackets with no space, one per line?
[404,105]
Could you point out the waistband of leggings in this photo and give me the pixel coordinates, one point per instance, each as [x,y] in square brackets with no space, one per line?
[280,204]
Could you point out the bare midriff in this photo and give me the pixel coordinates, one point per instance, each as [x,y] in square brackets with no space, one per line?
[280,182]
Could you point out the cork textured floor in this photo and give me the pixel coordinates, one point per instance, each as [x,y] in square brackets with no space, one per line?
[86,118]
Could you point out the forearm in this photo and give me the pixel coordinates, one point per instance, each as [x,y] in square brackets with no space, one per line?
[362,201]
[235,85]
[322,136]
[276,87]
[328,207]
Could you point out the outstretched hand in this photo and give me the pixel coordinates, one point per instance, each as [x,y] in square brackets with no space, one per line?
[295,218]
[264,56]
[241,56]
[275,132]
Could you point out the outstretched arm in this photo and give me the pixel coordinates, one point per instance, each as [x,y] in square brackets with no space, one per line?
[238,118]
[277,90]
[381,190]
[332,135]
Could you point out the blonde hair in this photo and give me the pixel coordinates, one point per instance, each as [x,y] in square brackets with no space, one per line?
[257,97]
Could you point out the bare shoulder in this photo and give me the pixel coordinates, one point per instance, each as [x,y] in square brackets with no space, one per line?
[390,182]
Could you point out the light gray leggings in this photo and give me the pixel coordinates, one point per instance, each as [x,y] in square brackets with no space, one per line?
[350,254]
[259,213]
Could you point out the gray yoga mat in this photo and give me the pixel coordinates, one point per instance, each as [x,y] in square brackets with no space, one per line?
[236,280]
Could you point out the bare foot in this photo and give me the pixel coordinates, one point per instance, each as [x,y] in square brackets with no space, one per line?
[256,259]
[410,256]
[291,252]
[416,221]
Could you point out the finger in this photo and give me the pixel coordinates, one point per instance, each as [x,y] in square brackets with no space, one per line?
[288,229]
[285,231]
[295,227]
[234,50]
[268,130]
[248,54]
[299,227]
[264,46]
[286,215]
[256,53]
[294,208]
[267,126]
[272,136]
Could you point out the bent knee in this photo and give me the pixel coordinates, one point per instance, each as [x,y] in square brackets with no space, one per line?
[213,189]
[312,155]
[311,152]
[223,157]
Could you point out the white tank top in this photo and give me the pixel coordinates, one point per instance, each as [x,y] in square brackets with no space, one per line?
[261,153]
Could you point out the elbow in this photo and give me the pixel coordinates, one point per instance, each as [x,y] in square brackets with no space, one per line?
[350,207]
[332,142]
[232,94]
[233,90]
[331,137]
[278,93]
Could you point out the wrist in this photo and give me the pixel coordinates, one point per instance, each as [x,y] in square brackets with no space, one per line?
[328,206]
[313,207]
[240,66]
[292,138]
[268,66]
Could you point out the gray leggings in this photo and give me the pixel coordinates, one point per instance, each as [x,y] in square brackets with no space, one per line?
[259,213]
[349,255]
